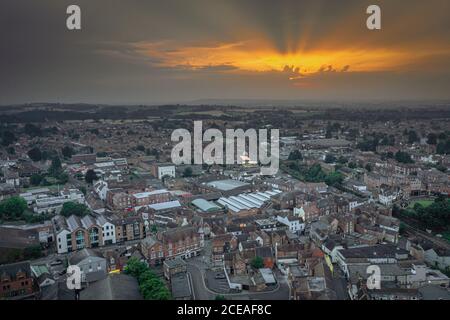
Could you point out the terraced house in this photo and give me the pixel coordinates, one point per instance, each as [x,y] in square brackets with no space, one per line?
[184,242]
[75,233]
[16,281]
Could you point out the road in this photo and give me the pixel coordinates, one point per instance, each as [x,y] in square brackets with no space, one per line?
[198,285]
[340,285]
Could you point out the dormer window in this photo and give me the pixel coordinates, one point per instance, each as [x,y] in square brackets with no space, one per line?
[20,275]
[5,278]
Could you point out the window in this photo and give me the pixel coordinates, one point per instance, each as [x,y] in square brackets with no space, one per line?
[80,239]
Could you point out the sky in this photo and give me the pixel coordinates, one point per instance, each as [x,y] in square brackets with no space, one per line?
[178,51]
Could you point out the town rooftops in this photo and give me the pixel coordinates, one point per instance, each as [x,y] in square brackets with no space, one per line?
[326,143]
[247,201]
[297,271]
[373,252]
[264,252]
[176,234]
[267,275]
[180,286]
[174,263]
[434,292]
[149,241]
[13,268]
[391,269]
[316,284]
[165,165]
[165,205]
[149,193]
[38,270]
[18,238]
[227,185]
[79,256]
[205,206]
[113,287]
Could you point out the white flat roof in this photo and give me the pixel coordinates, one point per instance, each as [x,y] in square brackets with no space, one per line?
[149,193]
[227,185]
[165,205]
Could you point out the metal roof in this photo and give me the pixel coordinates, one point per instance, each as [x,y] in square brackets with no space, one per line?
[247,201]
[204,205]
[165,205]
[227,185]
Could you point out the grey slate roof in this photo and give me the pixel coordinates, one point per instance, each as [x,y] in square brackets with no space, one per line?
[113,287]
[79,256]
[180,286]
[12,269]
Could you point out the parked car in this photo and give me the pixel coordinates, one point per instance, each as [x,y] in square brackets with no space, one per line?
[219,275]
[57,262]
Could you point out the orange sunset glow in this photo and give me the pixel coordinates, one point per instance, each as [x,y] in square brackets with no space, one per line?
[261,57]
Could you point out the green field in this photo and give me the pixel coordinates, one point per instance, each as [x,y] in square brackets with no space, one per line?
[423,203]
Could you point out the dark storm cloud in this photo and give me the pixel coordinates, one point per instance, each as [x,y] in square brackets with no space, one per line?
[40,60]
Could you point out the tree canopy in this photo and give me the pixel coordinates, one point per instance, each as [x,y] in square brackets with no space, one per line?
[74,208]
[35,154]
[435,216]
[257,262]
[12,208]
[403,157]
[295,155]
[187,172]
[151,286]
[334,179]
[90,176]
[67,152]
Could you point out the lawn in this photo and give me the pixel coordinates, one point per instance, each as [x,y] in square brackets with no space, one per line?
[423,203]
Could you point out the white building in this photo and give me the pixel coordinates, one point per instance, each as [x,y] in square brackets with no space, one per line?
[165,170]
[101,188]
[108,230]
[31,196]
[387,198]
[54,204]
[295,224]
[75,228]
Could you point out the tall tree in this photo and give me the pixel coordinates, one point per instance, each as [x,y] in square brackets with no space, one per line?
[13,208]
[73,208]
[55,168]
[90,176]
[67,152]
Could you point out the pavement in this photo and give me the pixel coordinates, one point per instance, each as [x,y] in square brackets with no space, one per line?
[198,286]
[217,285]
[340,286]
